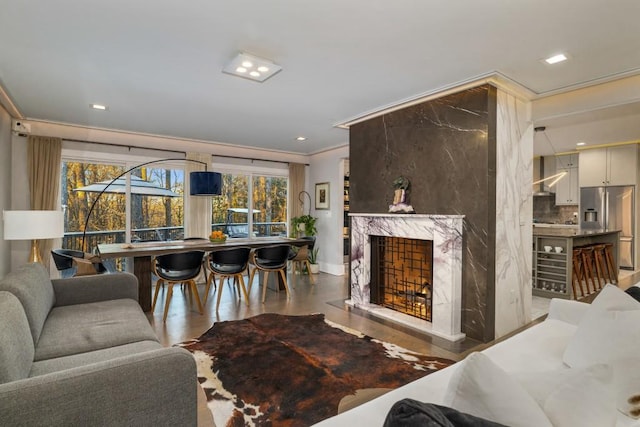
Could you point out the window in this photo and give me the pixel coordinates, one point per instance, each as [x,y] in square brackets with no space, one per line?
[267,196]
[154,211]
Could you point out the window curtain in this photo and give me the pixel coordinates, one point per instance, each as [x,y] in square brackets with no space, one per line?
[44,157]
[296,186]
[197,221]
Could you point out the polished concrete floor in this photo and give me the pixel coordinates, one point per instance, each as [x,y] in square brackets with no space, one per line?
[326,296]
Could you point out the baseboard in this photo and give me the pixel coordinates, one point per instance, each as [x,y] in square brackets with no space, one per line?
[334,269]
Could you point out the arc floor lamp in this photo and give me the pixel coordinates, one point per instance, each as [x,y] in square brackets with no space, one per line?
[201,183]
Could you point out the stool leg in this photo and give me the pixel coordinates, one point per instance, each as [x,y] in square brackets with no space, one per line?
[599,273]
[577,276]
[613,272]
[586,262]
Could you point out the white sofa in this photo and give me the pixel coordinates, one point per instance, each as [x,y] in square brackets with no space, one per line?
[600,341]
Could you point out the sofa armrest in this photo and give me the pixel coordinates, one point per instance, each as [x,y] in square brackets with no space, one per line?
[567,310]
[157,387]
[99,287]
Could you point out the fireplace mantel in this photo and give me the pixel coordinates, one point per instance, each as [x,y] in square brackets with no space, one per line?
[446,233]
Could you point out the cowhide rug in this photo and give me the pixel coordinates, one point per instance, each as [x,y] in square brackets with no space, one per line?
[280,370]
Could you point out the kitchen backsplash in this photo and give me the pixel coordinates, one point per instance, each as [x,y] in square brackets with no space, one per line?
[545,210]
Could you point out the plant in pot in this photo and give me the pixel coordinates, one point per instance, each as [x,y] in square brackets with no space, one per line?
[304,225]
[313,260]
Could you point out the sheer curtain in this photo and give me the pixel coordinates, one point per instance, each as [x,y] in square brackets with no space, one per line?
[44,156]
[296,185]
[197,221]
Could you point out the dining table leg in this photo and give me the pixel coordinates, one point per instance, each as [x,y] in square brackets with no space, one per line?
[142,270]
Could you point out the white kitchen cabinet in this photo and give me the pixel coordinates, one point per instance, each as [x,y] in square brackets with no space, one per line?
[609,166]
[567,190]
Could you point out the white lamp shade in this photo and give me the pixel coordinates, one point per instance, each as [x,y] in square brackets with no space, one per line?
[33,225]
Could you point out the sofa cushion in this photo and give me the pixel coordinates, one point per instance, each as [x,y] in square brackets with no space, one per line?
[481,388]
[16,344]
[72,329]
[31,284]
[573,397]
[608,332]
[73,361]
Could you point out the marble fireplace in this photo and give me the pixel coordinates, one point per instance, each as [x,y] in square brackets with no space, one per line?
[445,233]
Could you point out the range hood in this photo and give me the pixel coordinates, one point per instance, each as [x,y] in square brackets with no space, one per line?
[541,188]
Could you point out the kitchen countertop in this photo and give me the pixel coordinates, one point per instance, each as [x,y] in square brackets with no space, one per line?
[540,230]
[544,224]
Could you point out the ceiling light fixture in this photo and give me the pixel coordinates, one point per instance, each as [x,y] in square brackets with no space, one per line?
[581,144]
[556,58]
[98,107]
[301,138]
[251,67]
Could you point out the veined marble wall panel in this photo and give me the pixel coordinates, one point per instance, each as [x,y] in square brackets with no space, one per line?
[447,149]
[514,207]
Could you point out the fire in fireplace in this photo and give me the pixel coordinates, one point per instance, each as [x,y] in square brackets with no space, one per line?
[401,275]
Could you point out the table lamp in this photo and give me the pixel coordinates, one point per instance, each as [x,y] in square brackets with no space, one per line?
[34,226]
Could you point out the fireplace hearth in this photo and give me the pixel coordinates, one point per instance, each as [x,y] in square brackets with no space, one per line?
[435,292]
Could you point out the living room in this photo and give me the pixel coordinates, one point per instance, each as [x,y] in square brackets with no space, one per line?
[562,103]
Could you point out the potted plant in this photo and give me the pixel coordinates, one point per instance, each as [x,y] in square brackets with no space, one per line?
[303,225]
[313,260]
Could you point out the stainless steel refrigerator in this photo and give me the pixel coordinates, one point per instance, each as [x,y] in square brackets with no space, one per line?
[611,208]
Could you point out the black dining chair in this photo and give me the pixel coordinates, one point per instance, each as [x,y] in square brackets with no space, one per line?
[270,259]
[173,269]
[77,263]
[227,264]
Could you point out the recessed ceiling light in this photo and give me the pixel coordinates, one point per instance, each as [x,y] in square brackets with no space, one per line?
[98,107]
[581,143]
[301,138]
[556,58]
[251,67]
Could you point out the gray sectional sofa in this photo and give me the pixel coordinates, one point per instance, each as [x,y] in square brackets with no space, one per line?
[80,351]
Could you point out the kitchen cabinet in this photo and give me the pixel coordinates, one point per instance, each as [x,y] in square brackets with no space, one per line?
[609,166]
[567,189]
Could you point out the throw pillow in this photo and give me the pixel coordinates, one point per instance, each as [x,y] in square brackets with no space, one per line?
[481,388]
[634,291]
[574,397]
[412,413]
[83,267]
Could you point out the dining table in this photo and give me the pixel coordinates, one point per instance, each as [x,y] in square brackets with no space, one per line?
[143,252]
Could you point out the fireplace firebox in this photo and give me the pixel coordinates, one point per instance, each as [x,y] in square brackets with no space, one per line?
[401,275]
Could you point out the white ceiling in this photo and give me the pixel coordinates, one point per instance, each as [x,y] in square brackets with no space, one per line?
[157,64]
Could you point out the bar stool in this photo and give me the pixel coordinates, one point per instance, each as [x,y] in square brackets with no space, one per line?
[588,263]
[578,275]
[603,270]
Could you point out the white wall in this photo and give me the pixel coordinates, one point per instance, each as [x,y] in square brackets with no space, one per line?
[329,167]
[5,186]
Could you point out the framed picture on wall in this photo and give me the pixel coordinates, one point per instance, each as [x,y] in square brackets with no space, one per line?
[322,195]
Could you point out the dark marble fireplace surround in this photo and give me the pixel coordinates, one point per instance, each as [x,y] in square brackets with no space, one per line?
[447,149]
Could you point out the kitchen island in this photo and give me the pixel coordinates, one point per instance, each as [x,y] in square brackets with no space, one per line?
[553,266]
